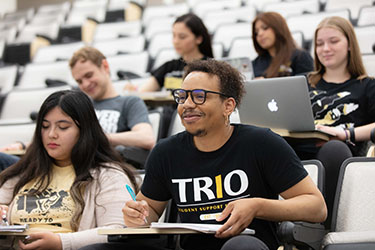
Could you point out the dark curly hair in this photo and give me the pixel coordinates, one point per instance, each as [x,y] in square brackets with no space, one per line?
[231,80]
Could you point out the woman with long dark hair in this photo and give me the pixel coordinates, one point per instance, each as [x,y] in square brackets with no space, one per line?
[278,54]
[69,180]
[191,41]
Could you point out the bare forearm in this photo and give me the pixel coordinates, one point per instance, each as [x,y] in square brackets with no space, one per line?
[362,133]
[302,208]
[151,85]
[132,138]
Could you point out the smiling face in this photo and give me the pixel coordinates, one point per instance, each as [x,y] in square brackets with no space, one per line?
[199,120]
[265,36]
[91,79]
[59,135]
[332,48]
[184,41]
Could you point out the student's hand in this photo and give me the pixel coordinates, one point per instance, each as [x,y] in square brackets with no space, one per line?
[339,133]
[42,241]
[258,78]
[135,213]
[130,87]
[241,213]
[12,147]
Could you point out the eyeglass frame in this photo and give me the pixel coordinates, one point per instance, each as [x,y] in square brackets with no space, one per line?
[192,97]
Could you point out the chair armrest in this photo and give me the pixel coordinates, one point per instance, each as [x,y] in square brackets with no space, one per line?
[300,233]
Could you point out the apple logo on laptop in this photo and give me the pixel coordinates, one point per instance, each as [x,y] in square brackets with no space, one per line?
[272,106]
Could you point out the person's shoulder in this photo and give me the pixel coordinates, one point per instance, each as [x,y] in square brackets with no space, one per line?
[301,53]
[263,136]
[10,183]
[361,82]
[253,132]
[107,170]
[261,58]
[174,62]
[369,80]
[172,141]
[171,65]
[130,99]
[256,60]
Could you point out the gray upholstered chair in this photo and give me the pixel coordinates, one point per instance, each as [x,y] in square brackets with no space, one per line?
[353,221]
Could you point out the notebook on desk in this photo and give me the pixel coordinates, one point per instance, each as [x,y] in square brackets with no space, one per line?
[278,103]
[168,228]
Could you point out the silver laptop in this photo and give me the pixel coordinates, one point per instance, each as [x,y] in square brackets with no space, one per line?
[278,103]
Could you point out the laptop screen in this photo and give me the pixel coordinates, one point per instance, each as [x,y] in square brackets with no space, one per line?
[278,103]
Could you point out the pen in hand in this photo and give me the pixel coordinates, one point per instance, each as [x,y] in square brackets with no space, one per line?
[132,194]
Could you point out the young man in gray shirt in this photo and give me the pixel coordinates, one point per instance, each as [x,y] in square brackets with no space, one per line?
[123,118]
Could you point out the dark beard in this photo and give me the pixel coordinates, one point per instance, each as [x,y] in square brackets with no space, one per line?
[198,133]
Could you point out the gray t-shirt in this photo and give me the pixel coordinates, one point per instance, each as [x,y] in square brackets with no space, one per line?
[120,113]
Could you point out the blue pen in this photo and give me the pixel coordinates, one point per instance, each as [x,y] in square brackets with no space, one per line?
[132,194]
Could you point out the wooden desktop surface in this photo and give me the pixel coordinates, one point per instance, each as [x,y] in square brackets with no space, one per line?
[308,135]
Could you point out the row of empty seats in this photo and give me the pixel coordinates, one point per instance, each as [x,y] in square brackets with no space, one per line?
[159,18]
[131,47]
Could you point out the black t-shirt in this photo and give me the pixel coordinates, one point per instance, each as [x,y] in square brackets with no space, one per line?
[300,63]
[171,71]
[173,68]
[345,105]
[254,162]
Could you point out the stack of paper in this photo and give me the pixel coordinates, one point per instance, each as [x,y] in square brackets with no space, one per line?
[203,228]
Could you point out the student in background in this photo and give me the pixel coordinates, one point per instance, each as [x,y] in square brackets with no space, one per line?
[123,118]
[70,180]
[342,98]
[278,54]
[192,42]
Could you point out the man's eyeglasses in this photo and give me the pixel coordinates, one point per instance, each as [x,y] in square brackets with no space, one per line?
[198,96]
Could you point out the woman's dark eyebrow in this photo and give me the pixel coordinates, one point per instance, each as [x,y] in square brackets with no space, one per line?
[64,121]
[59,121]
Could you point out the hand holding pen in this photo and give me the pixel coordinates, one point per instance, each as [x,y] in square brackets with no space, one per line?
[135,212]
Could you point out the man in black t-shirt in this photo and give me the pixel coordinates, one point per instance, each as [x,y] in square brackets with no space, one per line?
[220,173]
